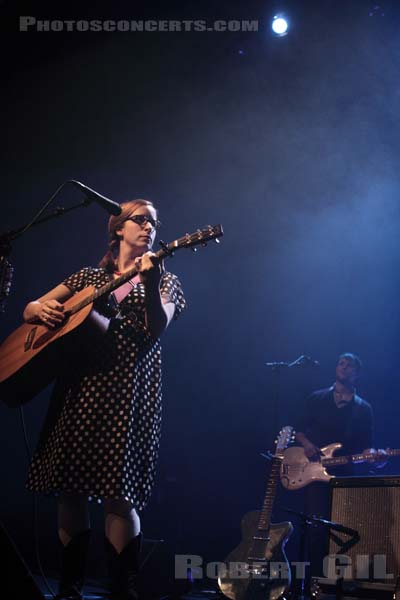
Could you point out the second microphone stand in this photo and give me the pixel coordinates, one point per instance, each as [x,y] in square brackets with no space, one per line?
[313,521]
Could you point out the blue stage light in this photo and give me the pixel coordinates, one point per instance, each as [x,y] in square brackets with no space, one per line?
[280,25]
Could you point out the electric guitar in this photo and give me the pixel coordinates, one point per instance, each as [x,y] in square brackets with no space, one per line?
[30,357]
[297,470]
[258,568]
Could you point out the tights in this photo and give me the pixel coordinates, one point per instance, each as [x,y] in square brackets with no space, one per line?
[122,522]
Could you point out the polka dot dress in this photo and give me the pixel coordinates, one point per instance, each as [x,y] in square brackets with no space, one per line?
[102,430]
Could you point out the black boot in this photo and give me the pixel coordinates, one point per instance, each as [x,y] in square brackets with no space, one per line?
[124,568]
[73,564]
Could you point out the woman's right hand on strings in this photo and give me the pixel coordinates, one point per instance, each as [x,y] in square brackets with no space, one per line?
[49,312]
[48,309]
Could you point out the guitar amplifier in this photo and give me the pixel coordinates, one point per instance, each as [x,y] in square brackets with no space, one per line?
[328,589]
[371,507]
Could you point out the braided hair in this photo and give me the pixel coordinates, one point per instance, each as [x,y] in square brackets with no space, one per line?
[109,260]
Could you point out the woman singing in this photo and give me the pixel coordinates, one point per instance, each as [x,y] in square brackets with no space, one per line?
[101,434]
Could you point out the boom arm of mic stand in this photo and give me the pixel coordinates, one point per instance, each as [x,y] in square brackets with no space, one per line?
[335,526]
[9,236]
[320,521]
[332,526]
[344,546]
[12,235]
[277,365]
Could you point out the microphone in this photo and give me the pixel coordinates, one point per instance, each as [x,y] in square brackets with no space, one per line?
[304,361]
[112,207]
[311,361]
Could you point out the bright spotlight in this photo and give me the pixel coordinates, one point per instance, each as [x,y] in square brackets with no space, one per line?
[280,25]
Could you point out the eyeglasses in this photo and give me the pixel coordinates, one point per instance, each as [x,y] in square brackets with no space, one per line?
[141,220]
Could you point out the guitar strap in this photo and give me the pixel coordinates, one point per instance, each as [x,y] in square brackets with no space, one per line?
[113,307]
[351,415]
[121,292]
[350,423]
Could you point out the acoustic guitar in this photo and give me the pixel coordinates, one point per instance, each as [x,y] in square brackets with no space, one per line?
[297,470]
[32,356]
[258,569]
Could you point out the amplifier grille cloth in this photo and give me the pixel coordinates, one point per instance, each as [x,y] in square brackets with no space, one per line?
[375,513]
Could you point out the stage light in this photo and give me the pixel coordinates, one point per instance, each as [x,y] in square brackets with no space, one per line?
[280,25]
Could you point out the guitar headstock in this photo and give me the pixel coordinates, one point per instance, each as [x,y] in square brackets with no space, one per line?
[191,240]
[285,436]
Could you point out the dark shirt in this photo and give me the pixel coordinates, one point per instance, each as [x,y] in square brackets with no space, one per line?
[351,425]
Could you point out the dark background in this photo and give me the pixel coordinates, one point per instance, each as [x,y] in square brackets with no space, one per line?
[292,144]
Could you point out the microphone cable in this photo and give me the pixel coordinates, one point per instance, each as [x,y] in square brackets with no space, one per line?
[35,510]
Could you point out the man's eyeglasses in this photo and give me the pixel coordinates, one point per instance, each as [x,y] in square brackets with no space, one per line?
[143,219]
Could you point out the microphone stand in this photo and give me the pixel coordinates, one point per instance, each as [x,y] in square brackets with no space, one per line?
[313,521]
[278,368]
[6,273]
[6,269]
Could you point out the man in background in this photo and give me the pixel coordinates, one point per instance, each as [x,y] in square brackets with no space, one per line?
[333,414]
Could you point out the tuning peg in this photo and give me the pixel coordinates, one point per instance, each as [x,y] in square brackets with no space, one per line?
[216,241]
[193,249]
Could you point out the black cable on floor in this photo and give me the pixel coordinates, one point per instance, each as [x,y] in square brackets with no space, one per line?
[35,510]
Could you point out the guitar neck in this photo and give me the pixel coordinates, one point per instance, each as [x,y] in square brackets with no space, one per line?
[111,285]
[266,511]
[355,458]
[190,240]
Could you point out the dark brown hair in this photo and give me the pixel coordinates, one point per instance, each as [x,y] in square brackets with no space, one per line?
[108,261]
[353,358]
